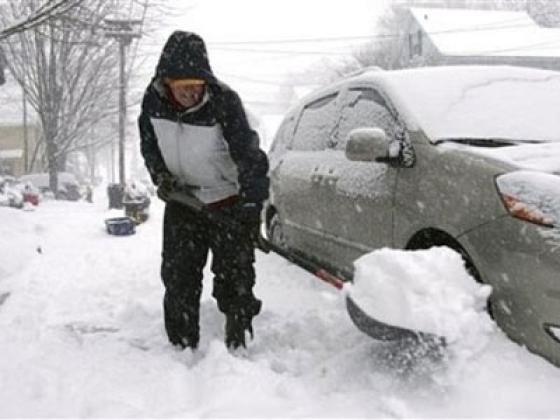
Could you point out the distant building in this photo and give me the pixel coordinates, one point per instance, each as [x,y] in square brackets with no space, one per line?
[464,36]
[12,150]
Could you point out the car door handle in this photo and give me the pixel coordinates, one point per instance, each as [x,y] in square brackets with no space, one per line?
[316,178]
[330,179]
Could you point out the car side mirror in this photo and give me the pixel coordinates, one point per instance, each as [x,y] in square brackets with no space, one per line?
[367,145]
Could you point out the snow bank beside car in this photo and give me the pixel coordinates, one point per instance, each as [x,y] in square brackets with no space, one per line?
[427,290]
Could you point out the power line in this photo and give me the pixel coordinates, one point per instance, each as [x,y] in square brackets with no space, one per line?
[474,28]
[291,52]
[340,53]
[282,84]
[292,41]
[526,47]
[265,82]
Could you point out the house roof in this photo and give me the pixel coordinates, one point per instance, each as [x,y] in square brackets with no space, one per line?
[466,32]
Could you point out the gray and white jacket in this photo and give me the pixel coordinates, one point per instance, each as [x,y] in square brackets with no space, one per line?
[210,149]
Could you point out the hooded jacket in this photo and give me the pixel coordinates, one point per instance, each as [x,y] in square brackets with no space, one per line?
[209,148]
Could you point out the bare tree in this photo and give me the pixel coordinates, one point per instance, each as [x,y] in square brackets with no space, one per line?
[38,16]
[68,71]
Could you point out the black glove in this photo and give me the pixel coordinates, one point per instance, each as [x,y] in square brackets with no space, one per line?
[166,184]
[248,215]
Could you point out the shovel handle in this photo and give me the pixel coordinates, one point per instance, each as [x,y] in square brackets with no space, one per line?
[263,244]
[330,278]
[304,263]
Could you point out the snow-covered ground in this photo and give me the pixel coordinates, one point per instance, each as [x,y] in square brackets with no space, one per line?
[81,335]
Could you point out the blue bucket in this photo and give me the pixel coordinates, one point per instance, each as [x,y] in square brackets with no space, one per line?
[120,226]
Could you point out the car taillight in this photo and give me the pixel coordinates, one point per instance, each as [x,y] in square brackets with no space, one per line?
[524,211]
[531,196]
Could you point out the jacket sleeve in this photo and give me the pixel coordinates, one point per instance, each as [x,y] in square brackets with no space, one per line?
[243,142]
[150,149]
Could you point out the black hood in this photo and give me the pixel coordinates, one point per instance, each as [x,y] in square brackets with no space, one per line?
[184,56]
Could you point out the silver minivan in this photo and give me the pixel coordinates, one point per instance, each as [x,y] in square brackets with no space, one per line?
[461,156]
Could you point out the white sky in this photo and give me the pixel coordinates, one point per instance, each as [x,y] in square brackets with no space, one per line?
[219,21]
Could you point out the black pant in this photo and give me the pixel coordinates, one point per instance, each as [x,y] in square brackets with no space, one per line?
[187,238]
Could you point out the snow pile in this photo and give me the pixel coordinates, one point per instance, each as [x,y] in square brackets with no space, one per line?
[428,291]
[19,241]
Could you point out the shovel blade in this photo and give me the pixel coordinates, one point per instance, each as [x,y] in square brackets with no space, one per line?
[385,332]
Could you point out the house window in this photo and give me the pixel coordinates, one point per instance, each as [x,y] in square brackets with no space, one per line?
[415,44]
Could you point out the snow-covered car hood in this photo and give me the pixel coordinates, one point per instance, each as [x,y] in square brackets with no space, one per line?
[543,157]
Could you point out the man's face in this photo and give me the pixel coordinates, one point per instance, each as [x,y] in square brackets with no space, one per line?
[187,93]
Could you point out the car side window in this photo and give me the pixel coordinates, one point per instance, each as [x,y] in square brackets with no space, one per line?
[363,107]
[315,126]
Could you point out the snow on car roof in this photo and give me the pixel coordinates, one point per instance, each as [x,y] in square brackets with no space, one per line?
[496,102]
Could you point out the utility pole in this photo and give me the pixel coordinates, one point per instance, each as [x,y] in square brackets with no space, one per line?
[123,31]
[25,132]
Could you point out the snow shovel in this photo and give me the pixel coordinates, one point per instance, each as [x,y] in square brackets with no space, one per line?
[365,323]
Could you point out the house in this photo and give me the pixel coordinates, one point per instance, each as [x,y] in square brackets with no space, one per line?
[464,36]
[15,156]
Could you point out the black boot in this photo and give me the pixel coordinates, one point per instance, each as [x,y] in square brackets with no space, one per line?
[236,325]
[184,342]
[181,326]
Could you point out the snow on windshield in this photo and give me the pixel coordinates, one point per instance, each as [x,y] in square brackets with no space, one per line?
[497,102]
[426,291]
